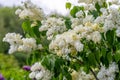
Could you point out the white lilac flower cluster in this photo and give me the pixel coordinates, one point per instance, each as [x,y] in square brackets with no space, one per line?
[39,72]
[82,17]
[81,75]
[110,17]
[53,26]
[108,73]
[109,20]
[86,26]
[68,42]
[31,11]
[89,31]
[14,40]
[17,43]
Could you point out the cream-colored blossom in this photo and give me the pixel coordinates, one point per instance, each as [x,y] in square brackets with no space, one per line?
[96,37]
[29,10]
[88,18]
[108,73]
[65,43]
[81,75]
[14,40]
[28,45]
[17,43]
[39,72]
[53,26]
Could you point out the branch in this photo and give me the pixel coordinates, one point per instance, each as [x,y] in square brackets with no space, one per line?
[89,68]
[77,60]
[94,74]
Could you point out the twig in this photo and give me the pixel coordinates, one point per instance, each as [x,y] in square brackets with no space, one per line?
[89,68]
[77,60]
[94,74]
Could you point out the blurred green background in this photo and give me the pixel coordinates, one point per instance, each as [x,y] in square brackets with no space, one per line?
[9,22]
[10,65]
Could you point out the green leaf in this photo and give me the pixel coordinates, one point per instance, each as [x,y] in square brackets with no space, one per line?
[75,65]
[27,29]
[36,29]
[103,51]
[68,23]
[66,73]
[117,56]
[59,62]
[86,68]
[104,5]
[97,6]
[75,10]
[94,13]
[91,59]
[90,43]
[109,57]
[110,37]
[68,5]
[60,76]
[117,45]
[30,59]
[48,62]
[26,26]
[98,55]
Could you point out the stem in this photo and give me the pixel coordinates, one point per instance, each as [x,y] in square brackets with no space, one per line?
[99,66]
[94,74]
[89,68]
[77,60]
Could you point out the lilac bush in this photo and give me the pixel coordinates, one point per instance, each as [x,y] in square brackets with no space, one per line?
[83,45]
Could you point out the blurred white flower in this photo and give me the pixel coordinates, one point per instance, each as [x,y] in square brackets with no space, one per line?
[88,18]
[36,67]
[17,43]
[39,72]
[76,22]
[80,14]
[13,38]
[108,25]
[53,26]
[81,75]
[32,75]
[30,11]
[13,48]
[79,46]
[39,75]
[108,73]
[96,37]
